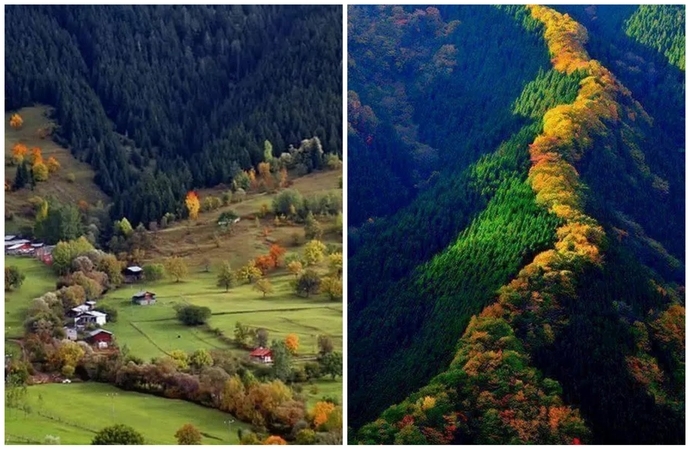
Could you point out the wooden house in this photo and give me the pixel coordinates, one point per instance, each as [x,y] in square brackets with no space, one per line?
[99,338]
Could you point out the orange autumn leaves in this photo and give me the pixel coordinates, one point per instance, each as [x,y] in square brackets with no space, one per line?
[193,205]
[40,168]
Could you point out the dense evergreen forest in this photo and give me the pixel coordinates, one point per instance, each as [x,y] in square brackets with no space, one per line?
[164,99]
[524,283]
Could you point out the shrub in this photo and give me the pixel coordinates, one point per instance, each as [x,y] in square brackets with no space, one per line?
[193,315]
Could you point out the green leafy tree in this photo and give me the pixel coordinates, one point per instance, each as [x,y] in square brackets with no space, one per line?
[192,315]
[118,435]
[154,272]
[176,267]
[226,277]
[200,358]
[282,361]
[308,283]
[13,278]
[332,364]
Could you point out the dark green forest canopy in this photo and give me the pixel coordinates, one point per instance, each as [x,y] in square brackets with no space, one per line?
[162,99]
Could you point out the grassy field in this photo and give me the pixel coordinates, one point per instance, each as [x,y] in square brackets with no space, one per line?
[39,280]
[75,412]
[57,186]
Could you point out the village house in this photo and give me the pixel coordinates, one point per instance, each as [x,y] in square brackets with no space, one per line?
[45,254]
[133,274]
[144,298]
[99,338]
[90,317]
[264,355]
[70,333]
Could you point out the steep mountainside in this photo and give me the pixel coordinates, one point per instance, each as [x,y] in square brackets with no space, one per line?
[558,262]
[163,99]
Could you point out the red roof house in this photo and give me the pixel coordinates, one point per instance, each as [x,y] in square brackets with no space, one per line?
[99,338]
[264,355]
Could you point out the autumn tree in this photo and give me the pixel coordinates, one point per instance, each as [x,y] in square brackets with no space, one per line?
[19,152]
[200,358]
[35,156]
[53,164]
[335,264]
[277,252]
[188,435]
[292,343]
[283,177]
[274,440]
[249,272]
[192,204]
[226,276]
[67,354]
[176,267]
[332,286]
[264,286]
[16,121]
[312,228]
[320,413]
[295,268]
[314,252]
[40,172]
[264,263]
[265,174]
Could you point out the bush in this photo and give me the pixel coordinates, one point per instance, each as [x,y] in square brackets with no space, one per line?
[71,178]
[193,315]
[118,434]
[153,272]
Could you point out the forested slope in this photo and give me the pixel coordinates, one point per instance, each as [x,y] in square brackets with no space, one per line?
[162,99]
[585,341]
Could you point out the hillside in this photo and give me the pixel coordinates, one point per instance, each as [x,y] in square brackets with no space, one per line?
[161,99]
[544,305]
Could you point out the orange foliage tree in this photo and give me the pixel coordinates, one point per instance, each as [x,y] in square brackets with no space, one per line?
[321,412]
[292,343]
[193,204]
[53,165]
[264,263]
[35,156]
[276,252]
[19,151]
[275,440]
[16,121]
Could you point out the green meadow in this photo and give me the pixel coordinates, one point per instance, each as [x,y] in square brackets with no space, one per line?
[75,412]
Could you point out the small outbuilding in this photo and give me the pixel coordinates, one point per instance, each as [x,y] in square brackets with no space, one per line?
[133,274]
[144,298]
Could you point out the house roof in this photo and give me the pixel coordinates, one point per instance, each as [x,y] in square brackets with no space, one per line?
[37,245]
[261,352]
[134,269]
[98,331]
[96,314]
[142,294]
[17,246]
[90,302]
[81,308]
[9,237]
[16,242]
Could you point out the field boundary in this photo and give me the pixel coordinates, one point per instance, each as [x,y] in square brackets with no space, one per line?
[148,338]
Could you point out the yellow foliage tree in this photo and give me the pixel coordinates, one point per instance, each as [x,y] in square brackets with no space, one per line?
[40,172]
[295,268]
[314,252]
